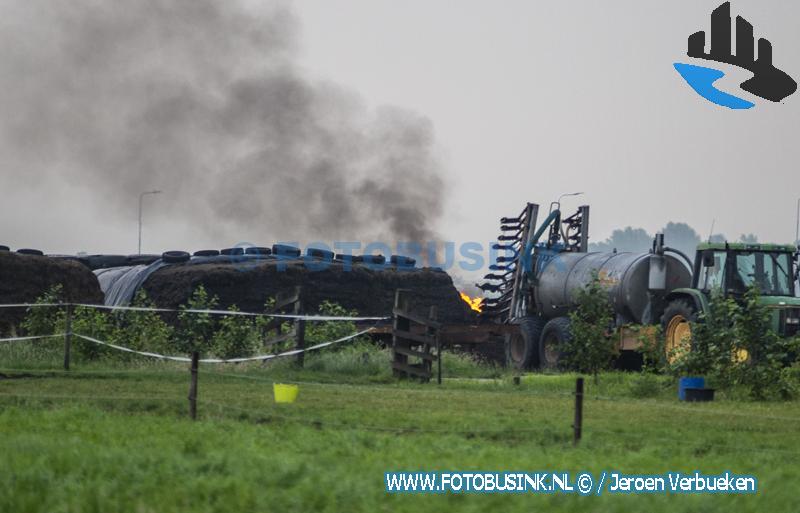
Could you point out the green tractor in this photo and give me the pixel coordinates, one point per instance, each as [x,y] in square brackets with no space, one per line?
[734,268]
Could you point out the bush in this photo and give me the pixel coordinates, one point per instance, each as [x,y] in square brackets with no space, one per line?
[237,336]
[734,344]
[325,331]
[764,372]
[143,330]
[195,330]
[590,349]
[226,336]
[652,348]
[98,324]
[44,320]
[713,345]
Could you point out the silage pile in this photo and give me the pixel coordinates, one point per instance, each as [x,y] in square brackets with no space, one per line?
[358,287]
[24,278]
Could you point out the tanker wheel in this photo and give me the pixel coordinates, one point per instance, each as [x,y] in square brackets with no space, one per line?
[555,336]
[522,348]
[677,327]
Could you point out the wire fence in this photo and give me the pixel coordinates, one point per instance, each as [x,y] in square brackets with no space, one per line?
[262,357]
[627,440]
[234,313]
[33,337]
[194,360]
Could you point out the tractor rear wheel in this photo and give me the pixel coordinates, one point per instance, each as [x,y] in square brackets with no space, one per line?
[555,336]
[522,348]
[677,327]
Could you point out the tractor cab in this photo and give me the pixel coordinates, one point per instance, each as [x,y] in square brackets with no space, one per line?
[735,268]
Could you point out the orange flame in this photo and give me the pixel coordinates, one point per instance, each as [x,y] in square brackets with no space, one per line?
[476,303]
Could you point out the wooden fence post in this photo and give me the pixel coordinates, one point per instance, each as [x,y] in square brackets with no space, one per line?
[193,385]
[578,424]
[433,316]
[399,324]
[67,336]
[300,332]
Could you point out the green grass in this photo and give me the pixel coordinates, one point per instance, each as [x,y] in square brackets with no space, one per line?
[108,438]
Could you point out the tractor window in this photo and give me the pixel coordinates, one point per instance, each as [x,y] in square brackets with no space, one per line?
[712,277]
[768,271]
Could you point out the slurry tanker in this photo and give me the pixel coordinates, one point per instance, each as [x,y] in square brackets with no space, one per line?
[534,285]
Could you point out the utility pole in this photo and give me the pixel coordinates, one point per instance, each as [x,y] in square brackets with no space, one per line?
[797,229]
[141,196]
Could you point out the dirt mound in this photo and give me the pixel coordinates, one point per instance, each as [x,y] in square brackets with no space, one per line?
[23,278]
[369,291]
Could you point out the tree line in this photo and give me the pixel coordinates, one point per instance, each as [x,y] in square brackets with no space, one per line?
[680,236]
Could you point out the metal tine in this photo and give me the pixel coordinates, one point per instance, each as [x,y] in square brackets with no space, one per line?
[505,295]
[507,259]
[519,219]
[504,247]
[488,287]
[514,246]
[508,237]
[496,306]
[510,227]
[517,234]
[494,267]
[502,276]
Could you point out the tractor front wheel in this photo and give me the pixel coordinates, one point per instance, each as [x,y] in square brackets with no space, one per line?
[677,327]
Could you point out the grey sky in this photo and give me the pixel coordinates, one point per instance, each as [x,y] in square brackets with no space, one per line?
[527,100]
[540,98]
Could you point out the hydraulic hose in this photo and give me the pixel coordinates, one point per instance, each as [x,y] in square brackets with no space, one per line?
[682,255]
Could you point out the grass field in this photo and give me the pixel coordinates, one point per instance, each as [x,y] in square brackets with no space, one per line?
[107,438]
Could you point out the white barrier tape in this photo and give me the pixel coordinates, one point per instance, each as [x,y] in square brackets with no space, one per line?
[246,314]
[28,305]
[221,360]
[17,339]
[128,350]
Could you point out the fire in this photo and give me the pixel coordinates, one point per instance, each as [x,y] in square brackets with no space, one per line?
[476,303]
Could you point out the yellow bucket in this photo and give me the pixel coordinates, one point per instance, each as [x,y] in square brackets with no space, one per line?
[285,393]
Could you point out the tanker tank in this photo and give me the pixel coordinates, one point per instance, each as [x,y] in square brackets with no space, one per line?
[633,281]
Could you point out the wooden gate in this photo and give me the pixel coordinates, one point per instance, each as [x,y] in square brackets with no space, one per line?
[414,340]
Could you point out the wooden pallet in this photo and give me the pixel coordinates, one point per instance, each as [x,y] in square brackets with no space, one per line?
[414,340]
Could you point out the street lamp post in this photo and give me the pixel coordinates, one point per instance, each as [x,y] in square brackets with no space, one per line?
[558,202]
[797,245]
[141,196]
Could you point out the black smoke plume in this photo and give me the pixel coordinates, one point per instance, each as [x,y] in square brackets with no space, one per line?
[204,99]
